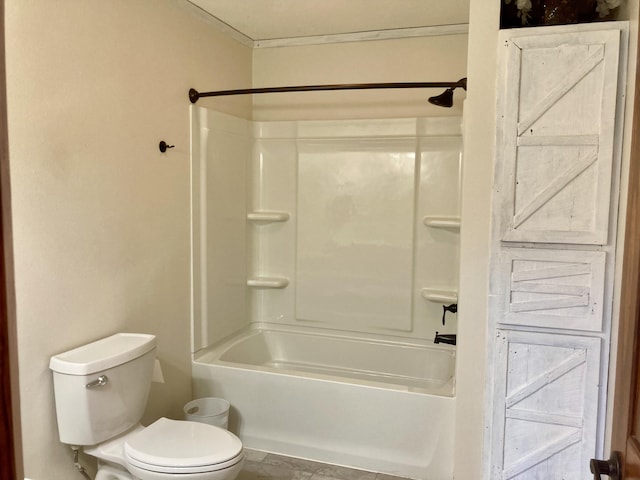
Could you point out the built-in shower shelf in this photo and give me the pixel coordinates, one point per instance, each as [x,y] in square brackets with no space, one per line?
[268,282]
[440,296]
[267,217]
[441,221]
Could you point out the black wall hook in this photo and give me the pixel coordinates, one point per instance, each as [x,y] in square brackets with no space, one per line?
[163,146]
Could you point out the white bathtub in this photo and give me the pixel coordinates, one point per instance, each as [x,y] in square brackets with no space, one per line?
[361,402]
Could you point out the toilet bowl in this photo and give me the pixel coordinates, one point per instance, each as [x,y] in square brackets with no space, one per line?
[101,390]
[174,449]
[170,449]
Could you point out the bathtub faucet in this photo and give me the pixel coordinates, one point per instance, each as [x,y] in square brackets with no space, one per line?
[448,338]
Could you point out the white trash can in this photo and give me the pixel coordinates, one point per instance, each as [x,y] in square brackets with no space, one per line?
[211,410]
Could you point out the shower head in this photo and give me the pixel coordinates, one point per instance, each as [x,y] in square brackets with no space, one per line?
[445,99]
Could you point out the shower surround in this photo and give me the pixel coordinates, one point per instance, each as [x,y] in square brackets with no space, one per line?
[323,253]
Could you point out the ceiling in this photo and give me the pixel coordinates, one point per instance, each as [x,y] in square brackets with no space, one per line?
[276,19]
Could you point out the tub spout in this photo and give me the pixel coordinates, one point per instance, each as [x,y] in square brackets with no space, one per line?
[448,338]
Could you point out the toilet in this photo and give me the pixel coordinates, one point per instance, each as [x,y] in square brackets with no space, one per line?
[101,391]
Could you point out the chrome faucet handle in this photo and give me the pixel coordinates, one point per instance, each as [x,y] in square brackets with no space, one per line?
[101,381]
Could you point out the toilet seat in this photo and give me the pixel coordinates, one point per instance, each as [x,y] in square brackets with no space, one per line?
[182,447]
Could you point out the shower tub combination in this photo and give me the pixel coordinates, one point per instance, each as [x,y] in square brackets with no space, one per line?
[310,314]
[358,401]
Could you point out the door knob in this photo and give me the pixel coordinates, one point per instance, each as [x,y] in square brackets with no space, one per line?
[610,468]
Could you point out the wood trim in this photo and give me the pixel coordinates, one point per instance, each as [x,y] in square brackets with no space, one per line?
[411,32]
[630,285]
[10,438]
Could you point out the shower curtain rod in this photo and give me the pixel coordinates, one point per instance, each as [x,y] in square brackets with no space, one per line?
[194,95]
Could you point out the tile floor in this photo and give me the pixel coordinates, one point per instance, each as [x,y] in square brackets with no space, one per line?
[268,466]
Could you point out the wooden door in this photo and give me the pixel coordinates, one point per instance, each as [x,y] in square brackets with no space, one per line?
[558,115]
[553,247]
[10,439]
[626,416]
[546,394]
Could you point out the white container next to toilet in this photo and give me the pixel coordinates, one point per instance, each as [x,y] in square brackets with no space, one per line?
[101,390]
[211,410]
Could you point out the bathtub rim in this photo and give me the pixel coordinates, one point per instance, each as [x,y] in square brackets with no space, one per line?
[212,356]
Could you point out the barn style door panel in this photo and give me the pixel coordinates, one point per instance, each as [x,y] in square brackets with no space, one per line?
[555,198]
[560,289]
[547,384]
[559,131]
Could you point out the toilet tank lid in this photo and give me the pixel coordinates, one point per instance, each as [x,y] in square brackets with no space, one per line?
[103,354]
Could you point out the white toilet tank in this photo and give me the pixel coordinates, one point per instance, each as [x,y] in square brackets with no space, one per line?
[101,388]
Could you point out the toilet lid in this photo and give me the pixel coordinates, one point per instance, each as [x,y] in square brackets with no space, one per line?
[181,446]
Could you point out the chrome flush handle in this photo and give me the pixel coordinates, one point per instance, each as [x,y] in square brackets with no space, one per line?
[101,381]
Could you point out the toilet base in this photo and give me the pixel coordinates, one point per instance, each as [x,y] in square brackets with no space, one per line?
[112,472]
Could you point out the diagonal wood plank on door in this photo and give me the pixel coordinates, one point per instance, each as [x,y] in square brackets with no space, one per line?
[544,417]
[555,187]
[542,454]
[550,288]
[563,86]
[545,378]
[567,270]
[550,304]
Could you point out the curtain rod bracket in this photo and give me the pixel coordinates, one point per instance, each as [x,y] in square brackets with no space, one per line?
[193,95]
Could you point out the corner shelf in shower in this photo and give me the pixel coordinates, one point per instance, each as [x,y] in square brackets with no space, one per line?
[440,295]
[263,218]
[441,221]
[267,282]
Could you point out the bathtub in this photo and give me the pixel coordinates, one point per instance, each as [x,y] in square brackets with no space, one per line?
[363,402]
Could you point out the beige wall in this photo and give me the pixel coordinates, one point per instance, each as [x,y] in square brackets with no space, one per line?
[101,218]
[422,59]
